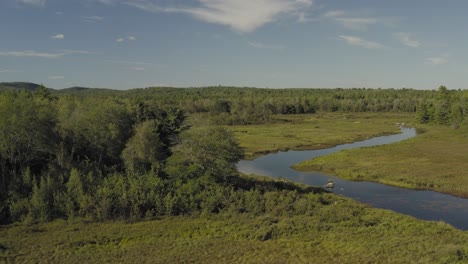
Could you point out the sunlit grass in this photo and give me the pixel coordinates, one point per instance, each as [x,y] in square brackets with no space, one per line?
[341,232]
[315,131]
[435,160]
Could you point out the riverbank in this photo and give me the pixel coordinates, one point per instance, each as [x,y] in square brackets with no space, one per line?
[434,160]
[317,131]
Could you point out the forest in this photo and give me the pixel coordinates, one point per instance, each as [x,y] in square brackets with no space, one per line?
[135,154]
[150,175]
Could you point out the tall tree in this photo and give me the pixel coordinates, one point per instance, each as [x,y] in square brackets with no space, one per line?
[214,150]
[27,135]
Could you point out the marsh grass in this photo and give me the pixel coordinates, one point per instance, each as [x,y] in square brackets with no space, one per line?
[434,160]
[315,131]
[338,231]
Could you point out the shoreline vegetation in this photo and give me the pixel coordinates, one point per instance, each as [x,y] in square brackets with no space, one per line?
[315,131]
[437,151]
[294,224]
[434,160]
[93,176]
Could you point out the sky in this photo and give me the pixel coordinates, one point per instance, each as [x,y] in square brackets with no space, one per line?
[123,44]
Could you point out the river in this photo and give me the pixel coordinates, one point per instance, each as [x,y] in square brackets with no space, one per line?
[426,205]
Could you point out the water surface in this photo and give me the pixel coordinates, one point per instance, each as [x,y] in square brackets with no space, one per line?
[427,205]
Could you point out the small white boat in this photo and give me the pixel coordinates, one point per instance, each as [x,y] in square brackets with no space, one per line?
[329,185]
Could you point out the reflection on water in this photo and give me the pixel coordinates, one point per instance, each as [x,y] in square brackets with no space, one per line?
[427,205]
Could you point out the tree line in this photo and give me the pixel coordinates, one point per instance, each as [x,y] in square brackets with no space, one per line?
[132,154]
[103,157]
[448,107]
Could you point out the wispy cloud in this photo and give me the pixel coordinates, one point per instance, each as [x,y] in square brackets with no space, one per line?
[138,65]
[243,16]
[56,77]
[260,45]
[45,55]
[130,62]
[123,39]
[32,2]
[92,18]
[437,60]
[8,71]
[30,53]
[107,2]
[407,39]
[355,21]
[58,36]
[356,41]
[68,51]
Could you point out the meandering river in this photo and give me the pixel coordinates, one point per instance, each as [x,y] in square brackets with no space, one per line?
[427,205]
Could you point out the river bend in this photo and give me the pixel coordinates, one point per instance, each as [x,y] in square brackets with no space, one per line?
[426,205]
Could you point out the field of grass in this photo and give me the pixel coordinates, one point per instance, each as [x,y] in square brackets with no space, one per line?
[333,230]
[435,160]
[315,131]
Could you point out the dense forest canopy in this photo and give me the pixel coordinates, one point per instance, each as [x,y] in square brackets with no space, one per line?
[108,154]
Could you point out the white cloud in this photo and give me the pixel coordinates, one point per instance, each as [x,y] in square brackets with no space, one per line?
[130,62]
[356,21]
[92,18]
[67,51]
[32,2]
[407,39]
[302,18]
[332,14]
[243,16]
[56,77]
[30,53]
[437,60]
[107,2]
[123,39]
[58,36]
[259,45]
[356,41]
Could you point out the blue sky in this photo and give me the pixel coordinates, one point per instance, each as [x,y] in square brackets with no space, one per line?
[125,44]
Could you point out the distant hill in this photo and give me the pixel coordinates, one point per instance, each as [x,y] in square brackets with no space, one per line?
[76,90]
[10,86]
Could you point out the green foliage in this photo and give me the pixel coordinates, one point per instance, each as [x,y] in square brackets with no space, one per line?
[334,229]
[422,113]
[144,151]
[27,136]
[213,149]
[129,155]
[447,108]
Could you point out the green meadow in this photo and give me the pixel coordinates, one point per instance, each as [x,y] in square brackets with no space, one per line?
[315,131]
[434,160]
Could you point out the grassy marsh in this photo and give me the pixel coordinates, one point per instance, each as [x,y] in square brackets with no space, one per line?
[434,160]
[315,131]
[331,229]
